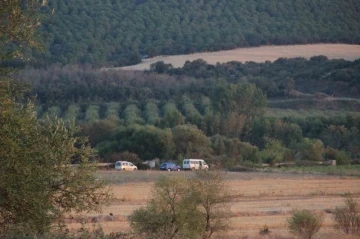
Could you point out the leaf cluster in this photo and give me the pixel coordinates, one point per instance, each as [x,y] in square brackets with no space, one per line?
[38,184]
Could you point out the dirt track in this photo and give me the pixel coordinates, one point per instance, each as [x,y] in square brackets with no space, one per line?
[260,199]
[258,54]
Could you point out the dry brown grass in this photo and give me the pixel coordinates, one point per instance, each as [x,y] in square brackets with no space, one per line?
[258,54]
[259,199]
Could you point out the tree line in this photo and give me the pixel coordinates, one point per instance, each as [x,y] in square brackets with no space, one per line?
[296,78]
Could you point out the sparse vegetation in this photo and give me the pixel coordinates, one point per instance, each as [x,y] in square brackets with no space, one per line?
[264,231]
[184,208]
[305,224]
[340,170]
[347,217]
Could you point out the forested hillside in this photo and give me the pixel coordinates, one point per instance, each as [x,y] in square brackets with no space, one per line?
[220,112]
[119,32]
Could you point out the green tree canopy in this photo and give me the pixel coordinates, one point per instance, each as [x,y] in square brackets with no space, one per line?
[190,141]
[38,184]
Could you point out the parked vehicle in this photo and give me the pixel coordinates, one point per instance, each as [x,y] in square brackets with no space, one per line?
[170,166]
[125,165]
[195,164]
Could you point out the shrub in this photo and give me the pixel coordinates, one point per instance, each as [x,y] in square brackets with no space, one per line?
[347,218]
[184,208]
[264,231]
[305,223]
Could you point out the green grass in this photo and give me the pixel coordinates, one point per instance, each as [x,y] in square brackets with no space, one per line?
[302,113]
[340,170]
[120,177]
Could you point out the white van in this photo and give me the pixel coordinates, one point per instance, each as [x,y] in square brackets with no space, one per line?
[192,164]
[125,165]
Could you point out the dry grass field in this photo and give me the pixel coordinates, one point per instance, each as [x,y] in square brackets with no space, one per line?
[258,54]
[260,199]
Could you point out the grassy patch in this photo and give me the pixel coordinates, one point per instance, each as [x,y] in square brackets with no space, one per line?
[341,170]
[120,177]
[304,113]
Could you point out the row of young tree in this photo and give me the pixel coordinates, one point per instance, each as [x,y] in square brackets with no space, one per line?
[296,78]
[278,79]
[120,32]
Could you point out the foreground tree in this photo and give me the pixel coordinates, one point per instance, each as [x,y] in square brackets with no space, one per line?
[38,186]
[212,197]
[184,208]
[18,22]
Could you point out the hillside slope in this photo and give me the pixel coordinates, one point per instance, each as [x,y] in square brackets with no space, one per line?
[118,32]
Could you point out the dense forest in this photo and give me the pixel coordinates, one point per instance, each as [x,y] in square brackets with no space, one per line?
[114,32]
[214,111]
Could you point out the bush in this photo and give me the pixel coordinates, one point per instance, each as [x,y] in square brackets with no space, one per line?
[184,208]
[340,156]
[305,223]
[264,231]
[347,218]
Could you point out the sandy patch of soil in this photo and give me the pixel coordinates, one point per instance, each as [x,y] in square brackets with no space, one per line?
[257,54]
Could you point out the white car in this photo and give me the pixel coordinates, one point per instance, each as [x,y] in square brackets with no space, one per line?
[194,164]
[125,165]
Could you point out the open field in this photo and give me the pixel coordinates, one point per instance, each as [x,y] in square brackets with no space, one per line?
[259,199]
[258,54]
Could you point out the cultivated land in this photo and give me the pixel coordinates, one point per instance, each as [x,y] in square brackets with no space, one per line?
[260,199]
[258,54]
